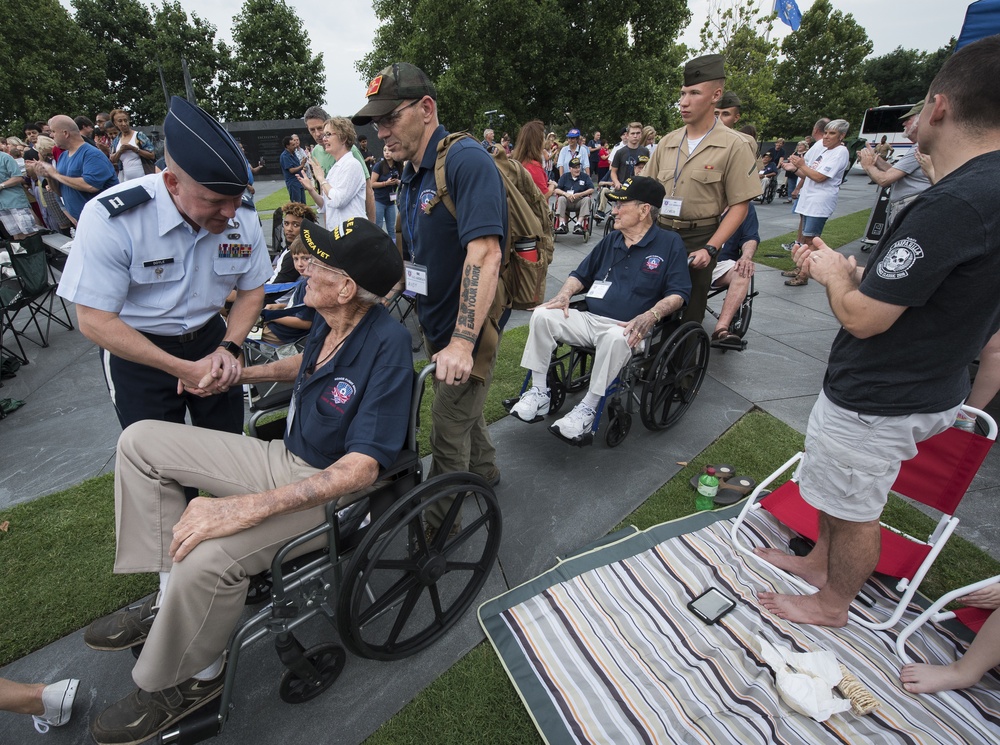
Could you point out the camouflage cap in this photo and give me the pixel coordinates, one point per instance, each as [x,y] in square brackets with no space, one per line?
[706,67]
[917,108]
[728,101]
[398,82]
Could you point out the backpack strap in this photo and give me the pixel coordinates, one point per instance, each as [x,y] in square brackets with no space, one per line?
[440,182]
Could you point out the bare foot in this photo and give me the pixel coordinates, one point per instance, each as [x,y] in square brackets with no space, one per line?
[802,609]
[800,566]
[919,678]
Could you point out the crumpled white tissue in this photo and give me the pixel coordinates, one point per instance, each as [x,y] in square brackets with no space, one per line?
[805,681]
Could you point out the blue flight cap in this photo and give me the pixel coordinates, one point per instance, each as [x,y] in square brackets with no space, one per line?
[205,151]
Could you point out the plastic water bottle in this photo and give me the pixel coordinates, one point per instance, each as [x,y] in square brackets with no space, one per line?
[708,487]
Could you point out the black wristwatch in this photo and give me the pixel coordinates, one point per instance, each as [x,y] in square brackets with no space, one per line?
[232,347]
[712,250]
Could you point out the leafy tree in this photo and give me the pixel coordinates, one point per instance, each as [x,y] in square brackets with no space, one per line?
[49,65]
[823,74]
[904,75]
[604,62]
[272,50]
[122,30]
[741,33]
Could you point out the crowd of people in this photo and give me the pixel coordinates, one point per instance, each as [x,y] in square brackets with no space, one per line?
[684,223]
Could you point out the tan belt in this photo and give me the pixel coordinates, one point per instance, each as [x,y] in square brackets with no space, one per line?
[688,224]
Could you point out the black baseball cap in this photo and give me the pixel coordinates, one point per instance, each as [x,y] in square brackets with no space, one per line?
[360,248]
[640,189]
[398,82]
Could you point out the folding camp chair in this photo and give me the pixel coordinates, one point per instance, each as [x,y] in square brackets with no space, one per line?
[974,618]
[30,293]
[259,352]
[938,476]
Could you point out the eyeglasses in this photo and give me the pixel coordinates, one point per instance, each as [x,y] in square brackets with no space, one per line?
[314,262]
[390,120]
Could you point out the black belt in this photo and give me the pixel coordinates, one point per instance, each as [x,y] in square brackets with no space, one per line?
[182,338]
[679,225]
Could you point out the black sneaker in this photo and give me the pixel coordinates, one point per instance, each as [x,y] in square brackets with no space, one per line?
[142,715]
[122,629]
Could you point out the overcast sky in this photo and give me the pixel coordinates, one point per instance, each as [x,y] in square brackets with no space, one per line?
[345,36]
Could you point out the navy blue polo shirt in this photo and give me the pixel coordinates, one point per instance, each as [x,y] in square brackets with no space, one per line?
[437,240]
[569,184]
[640,276]
[359,402]
[749,230]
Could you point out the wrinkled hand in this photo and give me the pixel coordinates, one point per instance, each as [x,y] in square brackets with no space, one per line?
[559,301]
[215,373]
[638,328]
[454,363]
[206,518]
[987,597]
[867,156]
[744,267]
[699,259]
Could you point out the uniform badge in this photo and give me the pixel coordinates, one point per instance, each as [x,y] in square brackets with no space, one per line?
[373,88]
[235,250]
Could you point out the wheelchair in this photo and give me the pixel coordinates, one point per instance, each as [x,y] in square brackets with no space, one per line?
[741,319]
[576,225]
[388,587]
[660,382]
[770,188]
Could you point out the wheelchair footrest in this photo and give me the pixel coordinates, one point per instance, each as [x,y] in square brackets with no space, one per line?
[197,726]
[538,417]
[587,438]
[727,346]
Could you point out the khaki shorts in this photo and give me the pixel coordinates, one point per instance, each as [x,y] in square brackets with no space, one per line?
[720,269]
[852,459]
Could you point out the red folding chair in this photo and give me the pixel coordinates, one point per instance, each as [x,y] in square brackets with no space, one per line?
[938,476]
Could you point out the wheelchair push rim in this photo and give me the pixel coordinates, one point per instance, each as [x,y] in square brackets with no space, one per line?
[402,592]
[675,377]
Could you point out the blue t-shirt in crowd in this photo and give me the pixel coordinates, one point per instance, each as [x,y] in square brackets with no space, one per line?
[437,240]
[94,167]
[358,402]
[385,172]
[749,230]
[288,160]
[640,276]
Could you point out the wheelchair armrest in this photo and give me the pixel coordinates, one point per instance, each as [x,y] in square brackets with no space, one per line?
[278,400]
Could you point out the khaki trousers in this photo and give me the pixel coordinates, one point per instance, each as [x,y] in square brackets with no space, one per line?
[549,327]
[206,592]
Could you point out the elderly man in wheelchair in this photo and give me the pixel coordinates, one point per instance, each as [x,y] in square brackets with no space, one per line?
[633,278]
[347,420]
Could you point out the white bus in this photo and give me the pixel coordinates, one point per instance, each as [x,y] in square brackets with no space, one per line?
[884,121]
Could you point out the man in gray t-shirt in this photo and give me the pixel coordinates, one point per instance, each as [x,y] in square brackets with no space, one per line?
[905,175]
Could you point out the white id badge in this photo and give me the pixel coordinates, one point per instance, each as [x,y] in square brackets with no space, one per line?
[599,289]
[392,197]
[671,207]
[416,278]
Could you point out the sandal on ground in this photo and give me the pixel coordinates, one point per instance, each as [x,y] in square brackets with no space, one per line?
[797,281]
[790,273]
[725,337]
[742,484]
[723,471]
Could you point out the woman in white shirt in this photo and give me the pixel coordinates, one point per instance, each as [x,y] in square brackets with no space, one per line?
[341,193]
[130,148]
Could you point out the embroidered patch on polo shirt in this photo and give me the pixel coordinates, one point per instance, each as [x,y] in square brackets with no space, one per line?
[652,264]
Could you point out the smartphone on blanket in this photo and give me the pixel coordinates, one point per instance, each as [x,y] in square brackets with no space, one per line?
[711,605]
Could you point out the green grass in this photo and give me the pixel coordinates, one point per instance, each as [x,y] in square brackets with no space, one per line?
[271,202]
[55,567]
[836,233]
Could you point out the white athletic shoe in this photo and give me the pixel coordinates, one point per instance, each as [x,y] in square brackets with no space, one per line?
[577,423]
[58,701]
[533,405]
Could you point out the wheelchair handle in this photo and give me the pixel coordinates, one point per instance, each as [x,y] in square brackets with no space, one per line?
[418,395]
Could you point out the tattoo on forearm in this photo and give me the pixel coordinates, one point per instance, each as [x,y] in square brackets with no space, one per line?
[466,335]
[467,301]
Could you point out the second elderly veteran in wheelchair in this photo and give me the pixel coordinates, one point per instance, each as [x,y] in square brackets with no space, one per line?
[348,418]
[634,277]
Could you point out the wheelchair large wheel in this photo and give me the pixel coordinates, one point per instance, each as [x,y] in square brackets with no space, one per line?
[741,320]
[403,591]
[675,377]
[609,225]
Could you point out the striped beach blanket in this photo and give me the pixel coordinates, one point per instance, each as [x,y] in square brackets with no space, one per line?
[603,649]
